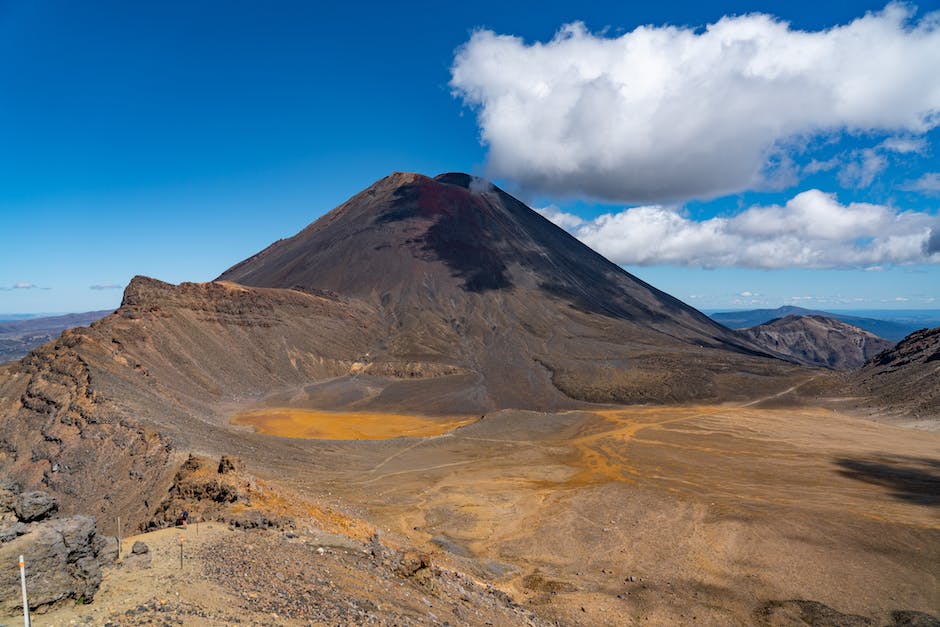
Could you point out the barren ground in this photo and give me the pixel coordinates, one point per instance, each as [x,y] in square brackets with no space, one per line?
[706,515]
[715,511]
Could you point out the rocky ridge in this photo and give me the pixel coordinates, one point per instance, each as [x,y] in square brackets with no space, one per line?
[905,378]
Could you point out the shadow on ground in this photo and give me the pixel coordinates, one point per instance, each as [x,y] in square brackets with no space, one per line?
[912,479]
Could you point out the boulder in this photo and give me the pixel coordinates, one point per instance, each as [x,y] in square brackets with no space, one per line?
[63,556]
[35,505]
[139,548]
[107,549]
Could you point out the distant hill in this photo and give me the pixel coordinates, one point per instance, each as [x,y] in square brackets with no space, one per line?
[18,337]
[888,329]
[818,341]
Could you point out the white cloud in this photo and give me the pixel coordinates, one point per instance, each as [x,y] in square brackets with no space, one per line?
[815,166]
[667,113]
[929,182]
[862,169]
[105,286]
[747,294]
[24,286]
[559,217]
[812,230]
[904,145]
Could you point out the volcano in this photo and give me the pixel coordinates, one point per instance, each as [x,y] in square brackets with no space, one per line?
[466,278]
[441,296]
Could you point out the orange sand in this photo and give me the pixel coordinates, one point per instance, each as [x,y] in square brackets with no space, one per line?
[327,425]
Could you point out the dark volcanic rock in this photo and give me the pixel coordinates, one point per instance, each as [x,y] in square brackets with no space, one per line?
[63,556]
[139,548]
[35,505]
[818,341]
[905,378]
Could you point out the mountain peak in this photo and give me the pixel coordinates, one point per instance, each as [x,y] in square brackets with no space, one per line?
[410,241]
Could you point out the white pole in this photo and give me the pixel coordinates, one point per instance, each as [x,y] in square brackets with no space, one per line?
[23,583]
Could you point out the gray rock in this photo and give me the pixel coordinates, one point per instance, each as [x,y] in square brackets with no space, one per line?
[139,548]
[12,530]
[61,564]
[108,549]
[35,505]
[8,494]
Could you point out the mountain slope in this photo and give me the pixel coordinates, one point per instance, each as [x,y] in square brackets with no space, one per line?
[468,276]
[818,341]
[905,378]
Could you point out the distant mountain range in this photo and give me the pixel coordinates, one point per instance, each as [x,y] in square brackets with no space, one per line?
[22,334]
[894,329]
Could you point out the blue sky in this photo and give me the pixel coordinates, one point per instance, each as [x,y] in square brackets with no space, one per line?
[175,139]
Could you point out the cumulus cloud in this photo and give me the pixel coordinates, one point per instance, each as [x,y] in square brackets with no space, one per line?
[666,113]
[811,230]
[104,286]
[559,217]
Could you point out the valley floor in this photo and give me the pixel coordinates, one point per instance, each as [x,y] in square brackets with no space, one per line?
[705,515]
[678,515]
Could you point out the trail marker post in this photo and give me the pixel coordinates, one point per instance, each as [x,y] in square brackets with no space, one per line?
[181,552]
[23,585]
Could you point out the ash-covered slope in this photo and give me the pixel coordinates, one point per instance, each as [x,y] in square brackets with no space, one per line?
[905,378]
[818,341]
[466,275]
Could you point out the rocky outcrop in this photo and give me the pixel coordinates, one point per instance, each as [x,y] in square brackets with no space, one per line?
[905,378]
[818,341]
[60,435]
[217,491]
[63,556]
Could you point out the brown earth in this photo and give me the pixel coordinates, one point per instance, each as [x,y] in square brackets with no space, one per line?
[305,577]
[715,510]
[331,425]
[708,515]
